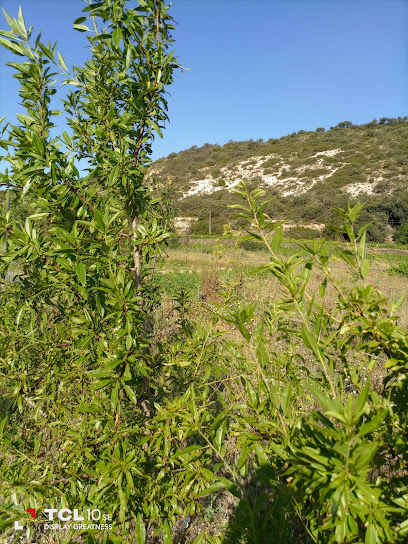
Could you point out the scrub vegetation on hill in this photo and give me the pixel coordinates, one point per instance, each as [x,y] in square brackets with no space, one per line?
[306,175]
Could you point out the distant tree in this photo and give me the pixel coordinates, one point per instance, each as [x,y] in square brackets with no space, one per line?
[320,129]
[343,124]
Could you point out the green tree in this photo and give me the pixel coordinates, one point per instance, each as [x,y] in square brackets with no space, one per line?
[75,362]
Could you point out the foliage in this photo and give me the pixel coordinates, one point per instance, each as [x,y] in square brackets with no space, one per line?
[75,361]
[297,415]
[401,235]
[304,233]
[400,268]
[341,467]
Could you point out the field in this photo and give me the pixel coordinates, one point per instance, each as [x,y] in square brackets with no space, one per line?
[208,269]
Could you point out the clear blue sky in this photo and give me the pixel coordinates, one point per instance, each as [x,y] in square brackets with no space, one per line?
[258,69]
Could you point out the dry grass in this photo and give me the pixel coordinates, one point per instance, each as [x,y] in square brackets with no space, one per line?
[265,289]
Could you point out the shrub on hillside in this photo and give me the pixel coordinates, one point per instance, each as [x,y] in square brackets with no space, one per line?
[303,233]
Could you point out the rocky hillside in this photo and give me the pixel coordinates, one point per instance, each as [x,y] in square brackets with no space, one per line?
[306,174]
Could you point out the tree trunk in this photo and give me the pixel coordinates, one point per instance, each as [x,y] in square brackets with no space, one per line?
[145,403]
[136,255]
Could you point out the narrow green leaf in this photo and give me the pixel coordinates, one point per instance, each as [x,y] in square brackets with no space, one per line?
[286,397]
[20,314]
[360,402]
[211,489]
[3,424]
[310,341]
[99,220]
[116,37]
[81,273]
[130,393]
[330,405]
[12,46]
[371,536]
[114,174]
[140,530]
[62,61]
[365,268]
[21,20]
[156,127]
[129,56]
[81,28]
[166,532]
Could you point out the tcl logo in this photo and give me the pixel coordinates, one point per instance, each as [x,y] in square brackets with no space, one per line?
[66,515]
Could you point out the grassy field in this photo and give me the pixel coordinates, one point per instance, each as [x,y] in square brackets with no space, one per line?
[205,275]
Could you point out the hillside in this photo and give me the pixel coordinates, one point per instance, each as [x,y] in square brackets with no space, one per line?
[306,175]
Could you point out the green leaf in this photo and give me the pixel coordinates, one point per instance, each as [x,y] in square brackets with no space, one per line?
[62,61]
[81,28]
[374,424]
[360,402]
[330,405]
[37,142]
[3,424]
[20,314]
[115,396]
[277,239]
[347,257]
[116,37]
[80,20]
[114,174]
[21,20]
[99,220]
[212,488]
[220,435]
[12,46]
[365,268]
[156,127]
[166,533]
[129,56]
[371,536]
[130,393]
[11,22]
[46,51]
[286,397]
[81,273]
[310,341]
[364,454]
[140,530]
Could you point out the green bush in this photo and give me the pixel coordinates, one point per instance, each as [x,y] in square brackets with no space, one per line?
[401,234]
[401,269]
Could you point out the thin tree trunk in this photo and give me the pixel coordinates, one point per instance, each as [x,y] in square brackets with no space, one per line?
[145,404]
[7,209]
[136,256]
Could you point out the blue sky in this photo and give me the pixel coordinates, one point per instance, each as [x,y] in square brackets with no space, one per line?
[258,69]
